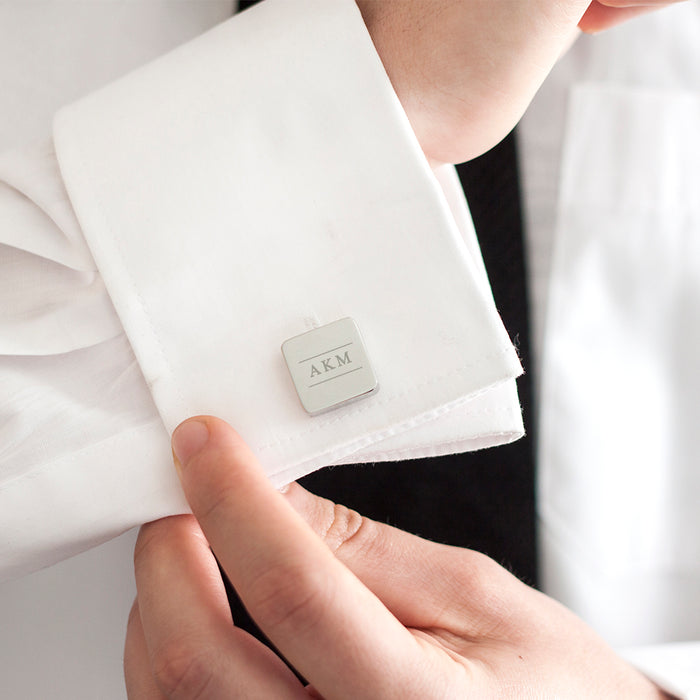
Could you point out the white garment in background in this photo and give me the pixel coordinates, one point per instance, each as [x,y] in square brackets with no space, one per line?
[612,163]
[611,159]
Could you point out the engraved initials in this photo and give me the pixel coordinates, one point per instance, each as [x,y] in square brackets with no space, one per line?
[344,360]
[328,366]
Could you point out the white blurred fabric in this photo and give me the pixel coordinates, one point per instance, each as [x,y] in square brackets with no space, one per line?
[238,191]
[611,158]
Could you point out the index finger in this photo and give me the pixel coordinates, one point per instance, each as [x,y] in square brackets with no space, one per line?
[605,14]
[317,613]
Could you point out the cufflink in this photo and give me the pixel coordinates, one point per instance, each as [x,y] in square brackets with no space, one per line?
[329,366]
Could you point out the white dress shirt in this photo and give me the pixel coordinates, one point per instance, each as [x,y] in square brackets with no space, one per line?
[611,158]
[214,209]
[188,219]
[99,461]
[618,193]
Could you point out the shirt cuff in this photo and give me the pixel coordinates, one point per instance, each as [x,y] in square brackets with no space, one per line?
[254,184]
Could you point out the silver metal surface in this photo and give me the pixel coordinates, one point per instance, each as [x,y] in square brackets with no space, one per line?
[329,366]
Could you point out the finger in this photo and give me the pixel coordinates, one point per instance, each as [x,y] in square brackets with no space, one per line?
[194,649]
[456,588]
[599,16]
[140,684]
[330,626]
[637,3]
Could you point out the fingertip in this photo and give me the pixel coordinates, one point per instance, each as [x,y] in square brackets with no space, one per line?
[199,433]
[215,465]
[304,502]
[600,17]
[189,438]
[321,514]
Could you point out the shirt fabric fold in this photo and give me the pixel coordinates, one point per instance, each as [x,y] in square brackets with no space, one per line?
[201,184]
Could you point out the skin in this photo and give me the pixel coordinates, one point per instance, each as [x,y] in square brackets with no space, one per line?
[361,609]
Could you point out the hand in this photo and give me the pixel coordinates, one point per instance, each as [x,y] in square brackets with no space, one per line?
[359,608]
[465,70]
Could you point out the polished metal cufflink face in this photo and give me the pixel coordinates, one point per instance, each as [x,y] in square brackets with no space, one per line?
[329,366]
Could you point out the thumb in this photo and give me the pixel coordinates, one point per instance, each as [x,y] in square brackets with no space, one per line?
[600,16]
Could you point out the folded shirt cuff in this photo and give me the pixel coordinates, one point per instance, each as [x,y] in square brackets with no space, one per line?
[256,183]
[218,190]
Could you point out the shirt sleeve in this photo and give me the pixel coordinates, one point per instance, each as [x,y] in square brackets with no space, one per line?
[256,183]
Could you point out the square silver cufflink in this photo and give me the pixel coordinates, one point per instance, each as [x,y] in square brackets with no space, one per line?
[329,366]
